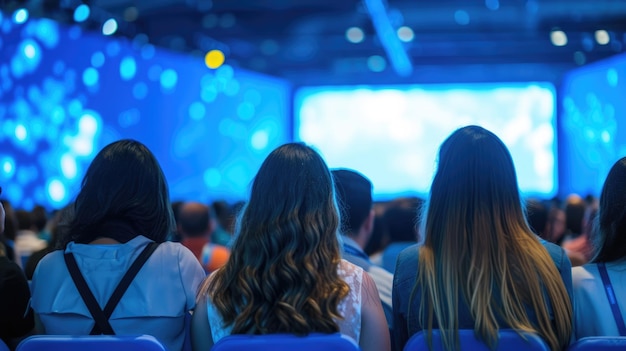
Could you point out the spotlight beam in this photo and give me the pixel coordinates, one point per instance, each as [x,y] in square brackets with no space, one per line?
[394,48]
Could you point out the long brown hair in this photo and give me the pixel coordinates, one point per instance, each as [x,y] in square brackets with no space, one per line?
[282,273]
[480,250]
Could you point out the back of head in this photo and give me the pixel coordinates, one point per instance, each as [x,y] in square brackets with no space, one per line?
[537,214]
[478,246]
[39,217]
[194,219]
[286,252]
[124,184]
[402,220]
[610,238]
[24,219]
[575,207]
[354,196]
[10,221]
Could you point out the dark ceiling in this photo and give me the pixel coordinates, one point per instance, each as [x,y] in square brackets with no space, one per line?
[305,40]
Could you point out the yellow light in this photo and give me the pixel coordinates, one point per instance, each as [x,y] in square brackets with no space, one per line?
[214,59]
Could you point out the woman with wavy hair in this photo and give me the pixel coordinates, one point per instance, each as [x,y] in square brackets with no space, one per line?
[599,286]
[285,273]
[480,266]
[116,268]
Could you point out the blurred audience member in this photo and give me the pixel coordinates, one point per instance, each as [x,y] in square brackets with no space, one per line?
[27,240]
[118,256]
[378,239]
[58,228]
[537,216]
[600,286]
[226,215]
[285,274]
[10,229]
[16,316]
[402,221]
[40,219]
[354,197]
[480,267]
[195,225]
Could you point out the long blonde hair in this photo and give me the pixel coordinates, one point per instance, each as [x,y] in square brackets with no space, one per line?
[479,249]
[282,275]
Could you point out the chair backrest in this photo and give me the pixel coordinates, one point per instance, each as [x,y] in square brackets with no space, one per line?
[590,343]
[286,342]
[509,340]
[90,343]
[3,346]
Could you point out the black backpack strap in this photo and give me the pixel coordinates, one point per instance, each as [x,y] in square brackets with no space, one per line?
[128,278]
[102,325]
[101,317]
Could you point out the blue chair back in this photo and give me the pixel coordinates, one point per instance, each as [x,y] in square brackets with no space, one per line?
[3,346]
[590,343]
[286,342]
[90,343]
[509,340]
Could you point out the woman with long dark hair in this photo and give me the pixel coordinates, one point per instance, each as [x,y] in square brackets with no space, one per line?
[117,274]
[480,267]
[285,273]
[599,286]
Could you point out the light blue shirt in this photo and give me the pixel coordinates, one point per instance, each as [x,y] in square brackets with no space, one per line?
[155,303]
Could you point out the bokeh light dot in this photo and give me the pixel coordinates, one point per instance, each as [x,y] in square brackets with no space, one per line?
[558,38]
[88,124]
[197,111]
[376,63]
[154,72]
[20,16]
[140,91]
[405,34]
[245,111]
[602,37]
[355,35]
[168,79]
[56,190]
[68,166]
[90,77]
[259,140]
[81,13]
[462,17]
[214,59]
[109,27]
[29,51]
[97,59]
[128,68]
[612,77]
[20,132]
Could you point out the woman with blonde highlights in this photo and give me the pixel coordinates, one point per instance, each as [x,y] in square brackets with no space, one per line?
[285,273]
[480,266]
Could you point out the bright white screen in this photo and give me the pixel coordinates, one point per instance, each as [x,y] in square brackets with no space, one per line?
[392,134]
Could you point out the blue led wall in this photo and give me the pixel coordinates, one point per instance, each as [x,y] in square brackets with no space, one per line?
[592,124]
[392,133]
[65,93]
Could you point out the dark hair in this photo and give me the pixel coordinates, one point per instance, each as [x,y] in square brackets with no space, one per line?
[479,250]
[610,237]
[194,219]
[24,219]
[124,184]
[39,217]
[282,274]
[10,221]
[354,195]
[402,225]
[537,215]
